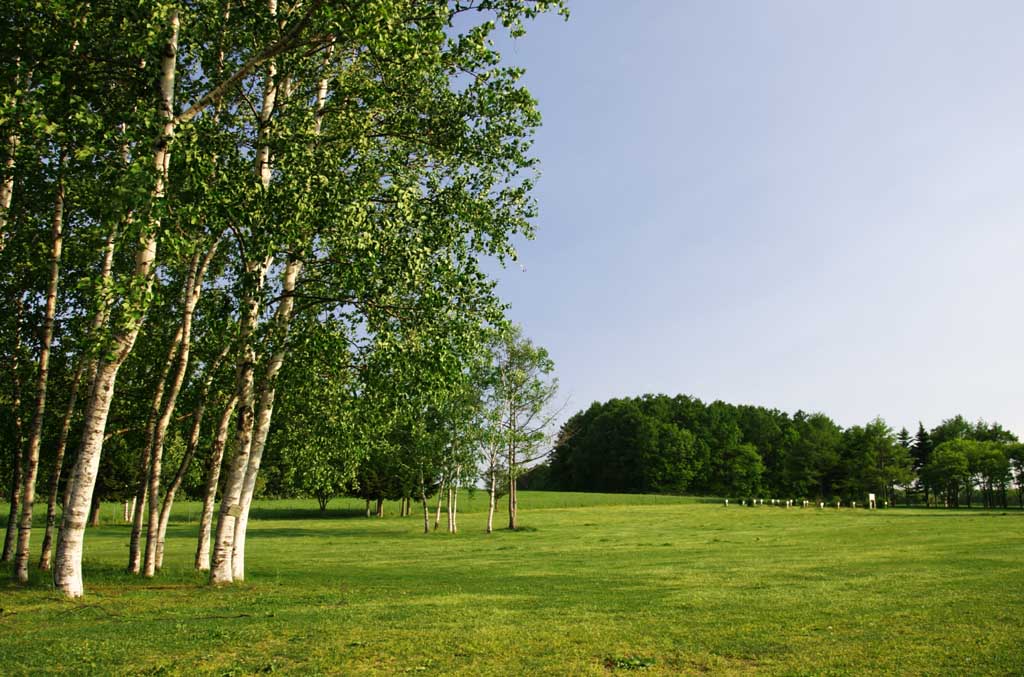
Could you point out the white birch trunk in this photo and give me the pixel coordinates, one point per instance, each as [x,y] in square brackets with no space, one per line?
[221,571]
[18,457]
[142,492]
[222,568]
[186,461]
[28,491]
[67,572]
[455,506]
[282,321]
[437,515]
[202,562]
[448,510]
[264,412]
[85,365]
[492,494]
[7,185]
[512,500]
[193,289]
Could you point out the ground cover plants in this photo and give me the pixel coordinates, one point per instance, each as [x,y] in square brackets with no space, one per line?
[592,584]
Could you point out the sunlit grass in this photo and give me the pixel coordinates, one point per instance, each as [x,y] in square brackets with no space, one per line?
[595,584]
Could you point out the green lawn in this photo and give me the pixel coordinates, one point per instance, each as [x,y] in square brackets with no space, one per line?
[592,585]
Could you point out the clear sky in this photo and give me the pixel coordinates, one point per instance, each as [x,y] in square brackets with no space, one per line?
[799,204]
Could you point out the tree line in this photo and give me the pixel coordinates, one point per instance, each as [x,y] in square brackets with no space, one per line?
[213,210]
[662,444]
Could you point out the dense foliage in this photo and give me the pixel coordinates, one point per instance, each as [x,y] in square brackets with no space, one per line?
[211,209]
[661,444]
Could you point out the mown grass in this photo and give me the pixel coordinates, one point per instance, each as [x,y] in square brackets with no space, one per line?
[593,585]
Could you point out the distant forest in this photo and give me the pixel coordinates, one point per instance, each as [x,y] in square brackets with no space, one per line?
[662,444]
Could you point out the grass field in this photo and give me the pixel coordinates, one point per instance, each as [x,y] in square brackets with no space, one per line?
[592,585]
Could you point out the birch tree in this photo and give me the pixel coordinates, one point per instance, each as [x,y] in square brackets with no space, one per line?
[363,158]
[520,399]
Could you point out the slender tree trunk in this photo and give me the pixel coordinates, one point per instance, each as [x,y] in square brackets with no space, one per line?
[455,506]
[10,161]
[264,412]
[212,478]
[281,323]
[55,473]
[94,513]
[142,491]
[448,510]
[85,365]
[426,508]
[221,571]
[512,500]
[223,567]
[17,453]
[367,507]
[67,573]
[492,491]
[186,461]
[28,491]
[7,187]
[437,516]
[193,289]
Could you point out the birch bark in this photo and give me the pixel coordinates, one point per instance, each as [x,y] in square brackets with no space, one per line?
[264,412]
[202,562]
[193,289]
[186,461]
[492,491]
[142,492]
[85,365]
[17,456]
[28,491]
[67,572]
[222,566]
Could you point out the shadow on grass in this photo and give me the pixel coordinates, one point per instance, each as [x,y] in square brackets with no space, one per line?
[955,512]
[290,513]
[294,532]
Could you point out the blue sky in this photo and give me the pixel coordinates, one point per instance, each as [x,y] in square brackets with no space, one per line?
[800,204]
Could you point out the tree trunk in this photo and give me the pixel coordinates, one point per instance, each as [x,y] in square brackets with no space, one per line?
[221,571]
[492,491]
[55,472]
[18,457]
[193,289]
[28,491]
[65,428]
[265,410]
[512,500]
[67,574]
[94,514]
[426,512]
[186,461]
[7,185]
[455,507]
[142,491]
[448,509]
[437,516]
[202,562]
[232,503]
